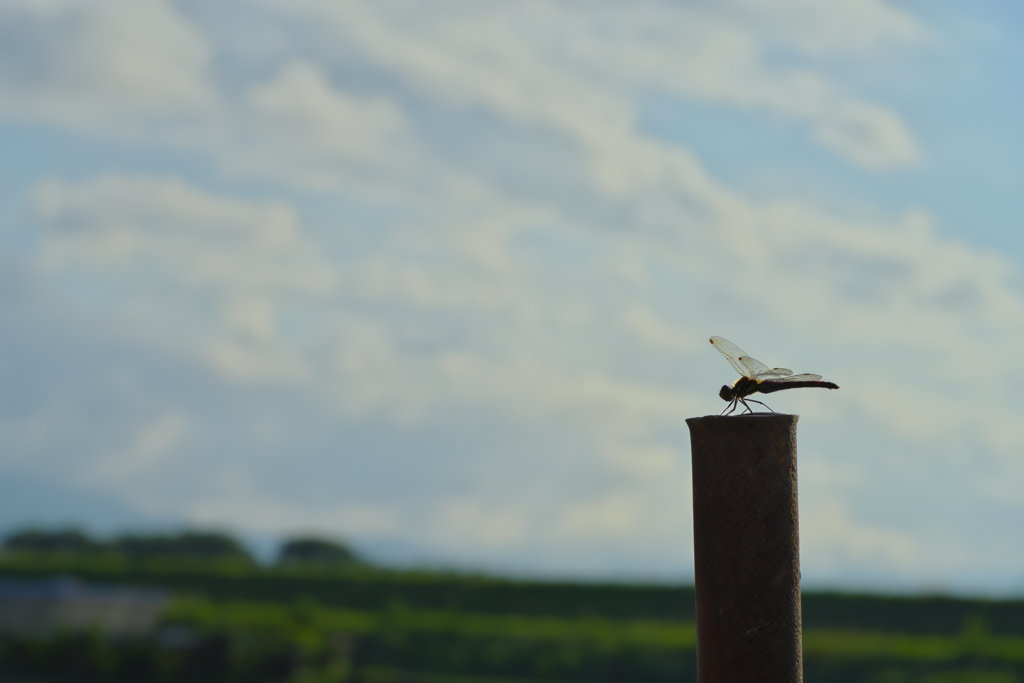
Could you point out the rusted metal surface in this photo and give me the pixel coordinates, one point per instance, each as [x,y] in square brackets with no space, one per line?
[746,548]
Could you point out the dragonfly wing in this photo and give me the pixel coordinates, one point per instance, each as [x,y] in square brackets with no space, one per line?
[773,373]
[805,377]
[734,354]
[757,368]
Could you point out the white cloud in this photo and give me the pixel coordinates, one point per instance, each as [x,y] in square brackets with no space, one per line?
[312,133]
[146,455]
[304,109]
[98,65]
[126,219]
[583,83]
[480,283]
[462,523]
[867,135]
[614,516]
[186,236]
[832,535]
[205,273]
[247,362]
[146,69]
[859,27]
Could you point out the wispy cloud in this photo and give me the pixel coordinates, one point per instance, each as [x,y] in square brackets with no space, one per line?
[101,66]
[421,271]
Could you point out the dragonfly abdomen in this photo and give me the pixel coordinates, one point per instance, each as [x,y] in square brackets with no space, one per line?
[768,386]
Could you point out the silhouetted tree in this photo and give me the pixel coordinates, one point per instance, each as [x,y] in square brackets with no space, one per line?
[191,544]
[311,550]
[67,540]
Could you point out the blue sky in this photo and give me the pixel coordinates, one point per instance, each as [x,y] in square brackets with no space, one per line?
[438,278]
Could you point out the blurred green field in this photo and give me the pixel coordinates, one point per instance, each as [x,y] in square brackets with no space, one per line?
[230,621]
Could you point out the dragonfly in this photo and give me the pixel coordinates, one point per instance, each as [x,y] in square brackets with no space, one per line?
[756,377]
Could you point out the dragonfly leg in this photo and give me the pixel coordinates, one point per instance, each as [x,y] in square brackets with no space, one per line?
[764,404]
[729,408]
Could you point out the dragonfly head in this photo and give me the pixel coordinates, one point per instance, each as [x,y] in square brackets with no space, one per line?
[727,393]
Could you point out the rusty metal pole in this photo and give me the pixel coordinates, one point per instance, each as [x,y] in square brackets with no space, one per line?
[746,548]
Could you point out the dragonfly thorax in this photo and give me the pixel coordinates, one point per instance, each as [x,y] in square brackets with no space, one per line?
[741,388]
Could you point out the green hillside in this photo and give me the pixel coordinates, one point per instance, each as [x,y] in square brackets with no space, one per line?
[234,620]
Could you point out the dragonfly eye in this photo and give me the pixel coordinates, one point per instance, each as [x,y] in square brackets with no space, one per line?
[726,393]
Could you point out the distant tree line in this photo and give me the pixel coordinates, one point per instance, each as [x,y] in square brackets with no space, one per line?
[190,544]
